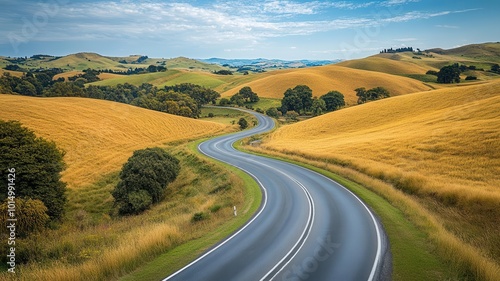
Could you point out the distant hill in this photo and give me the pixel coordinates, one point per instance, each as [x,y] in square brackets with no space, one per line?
[261,64]
[99,136]
[486,51]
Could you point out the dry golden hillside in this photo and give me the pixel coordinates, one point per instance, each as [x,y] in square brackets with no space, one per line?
[448,138]
[99,136]
[327,78]
[442,146]
[387,63]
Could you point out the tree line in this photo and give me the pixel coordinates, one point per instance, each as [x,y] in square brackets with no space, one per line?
[184,99]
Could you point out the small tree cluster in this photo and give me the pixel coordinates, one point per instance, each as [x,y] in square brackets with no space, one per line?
[143,179]
[371,95]
[244,95]
[243,123]
[449,74]
[298,99]
[333,100]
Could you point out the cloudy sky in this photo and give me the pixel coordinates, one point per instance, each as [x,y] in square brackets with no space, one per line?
[284,29]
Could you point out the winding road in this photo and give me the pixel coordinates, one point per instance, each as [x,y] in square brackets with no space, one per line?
[308,227]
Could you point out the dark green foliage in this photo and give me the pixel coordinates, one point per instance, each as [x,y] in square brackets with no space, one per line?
[38,165]
[398,50]
[371,95]
[243,123]
[495,68]
[199,217]
[143,179]
[248,94]
[318,107]
[471,78]
[272,112]
[237,99]
[298,99]
[432,72]
[223,72]
[333,100]
[199,93]
[224,102]
[449,74]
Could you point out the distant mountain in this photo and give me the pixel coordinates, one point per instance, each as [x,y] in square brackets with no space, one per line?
[263,64]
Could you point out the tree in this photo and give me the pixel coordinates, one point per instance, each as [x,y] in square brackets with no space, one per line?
[495,68]
[38,164]
[248,94]
[371,95]
[298,99]
[238,100]
[333,100]
[224,102]
[272,112]
[305,95]
[449,74]
[361,94]
[293,115]
[243,123]
[318,107]
[143,179]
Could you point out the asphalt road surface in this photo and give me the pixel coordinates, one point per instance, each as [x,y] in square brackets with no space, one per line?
[307,228]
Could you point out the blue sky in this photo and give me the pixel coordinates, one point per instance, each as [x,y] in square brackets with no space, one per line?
[284,29]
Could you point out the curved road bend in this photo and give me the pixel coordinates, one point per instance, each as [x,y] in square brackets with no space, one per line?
[307,228]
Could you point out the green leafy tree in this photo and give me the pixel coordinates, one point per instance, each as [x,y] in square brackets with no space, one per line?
[333,100]
[298,99]
[38,164]
[248,94]
[449,74]
[292,115]
[272,112]
[243,123]
[238,100]
[361,94]
[495,68]
[318,107]
[224,102]
[143,179]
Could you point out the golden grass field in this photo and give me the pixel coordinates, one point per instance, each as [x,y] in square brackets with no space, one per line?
[102,76]
[384,63]
[327,78]
[99,136]
[442,147]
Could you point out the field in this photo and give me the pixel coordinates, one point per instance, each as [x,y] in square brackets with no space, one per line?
[97,135]
[327,78]
[442,147]
[92,243]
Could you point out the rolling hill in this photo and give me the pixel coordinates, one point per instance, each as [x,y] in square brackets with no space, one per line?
[323,79]
[99,136]
[441,146]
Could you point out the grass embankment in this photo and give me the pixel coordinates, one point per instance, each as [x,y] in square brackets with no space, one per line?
[99,136]
[437,154]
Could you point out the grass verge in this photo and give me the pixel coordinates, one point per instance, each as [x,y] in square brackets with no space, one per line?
[180,256]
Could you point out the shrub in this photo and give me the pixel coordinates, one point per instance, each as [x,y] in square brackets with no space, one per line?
[272,112]
[243,123]
[199,217]
[471,78]
[31,215]
[143,179]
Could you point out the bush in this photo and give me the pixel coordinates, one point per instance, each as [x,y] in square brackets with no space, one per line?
[432,72]
[243,123]
[199,217]
[471,78]
[272,112]
[143,179]
[31,215]
[38,164]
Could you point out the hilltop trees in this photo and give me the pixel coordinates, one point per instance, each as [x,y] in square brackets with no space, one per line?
[143,180]
[37,165]
[248,94]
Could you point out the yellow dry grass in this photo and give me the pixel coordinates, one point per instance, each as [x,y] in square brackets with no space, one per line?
[327,78]
[99,136]
[66,75]
[447,138]
[12,73]
[106,76]
[442,147]
[385,64]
